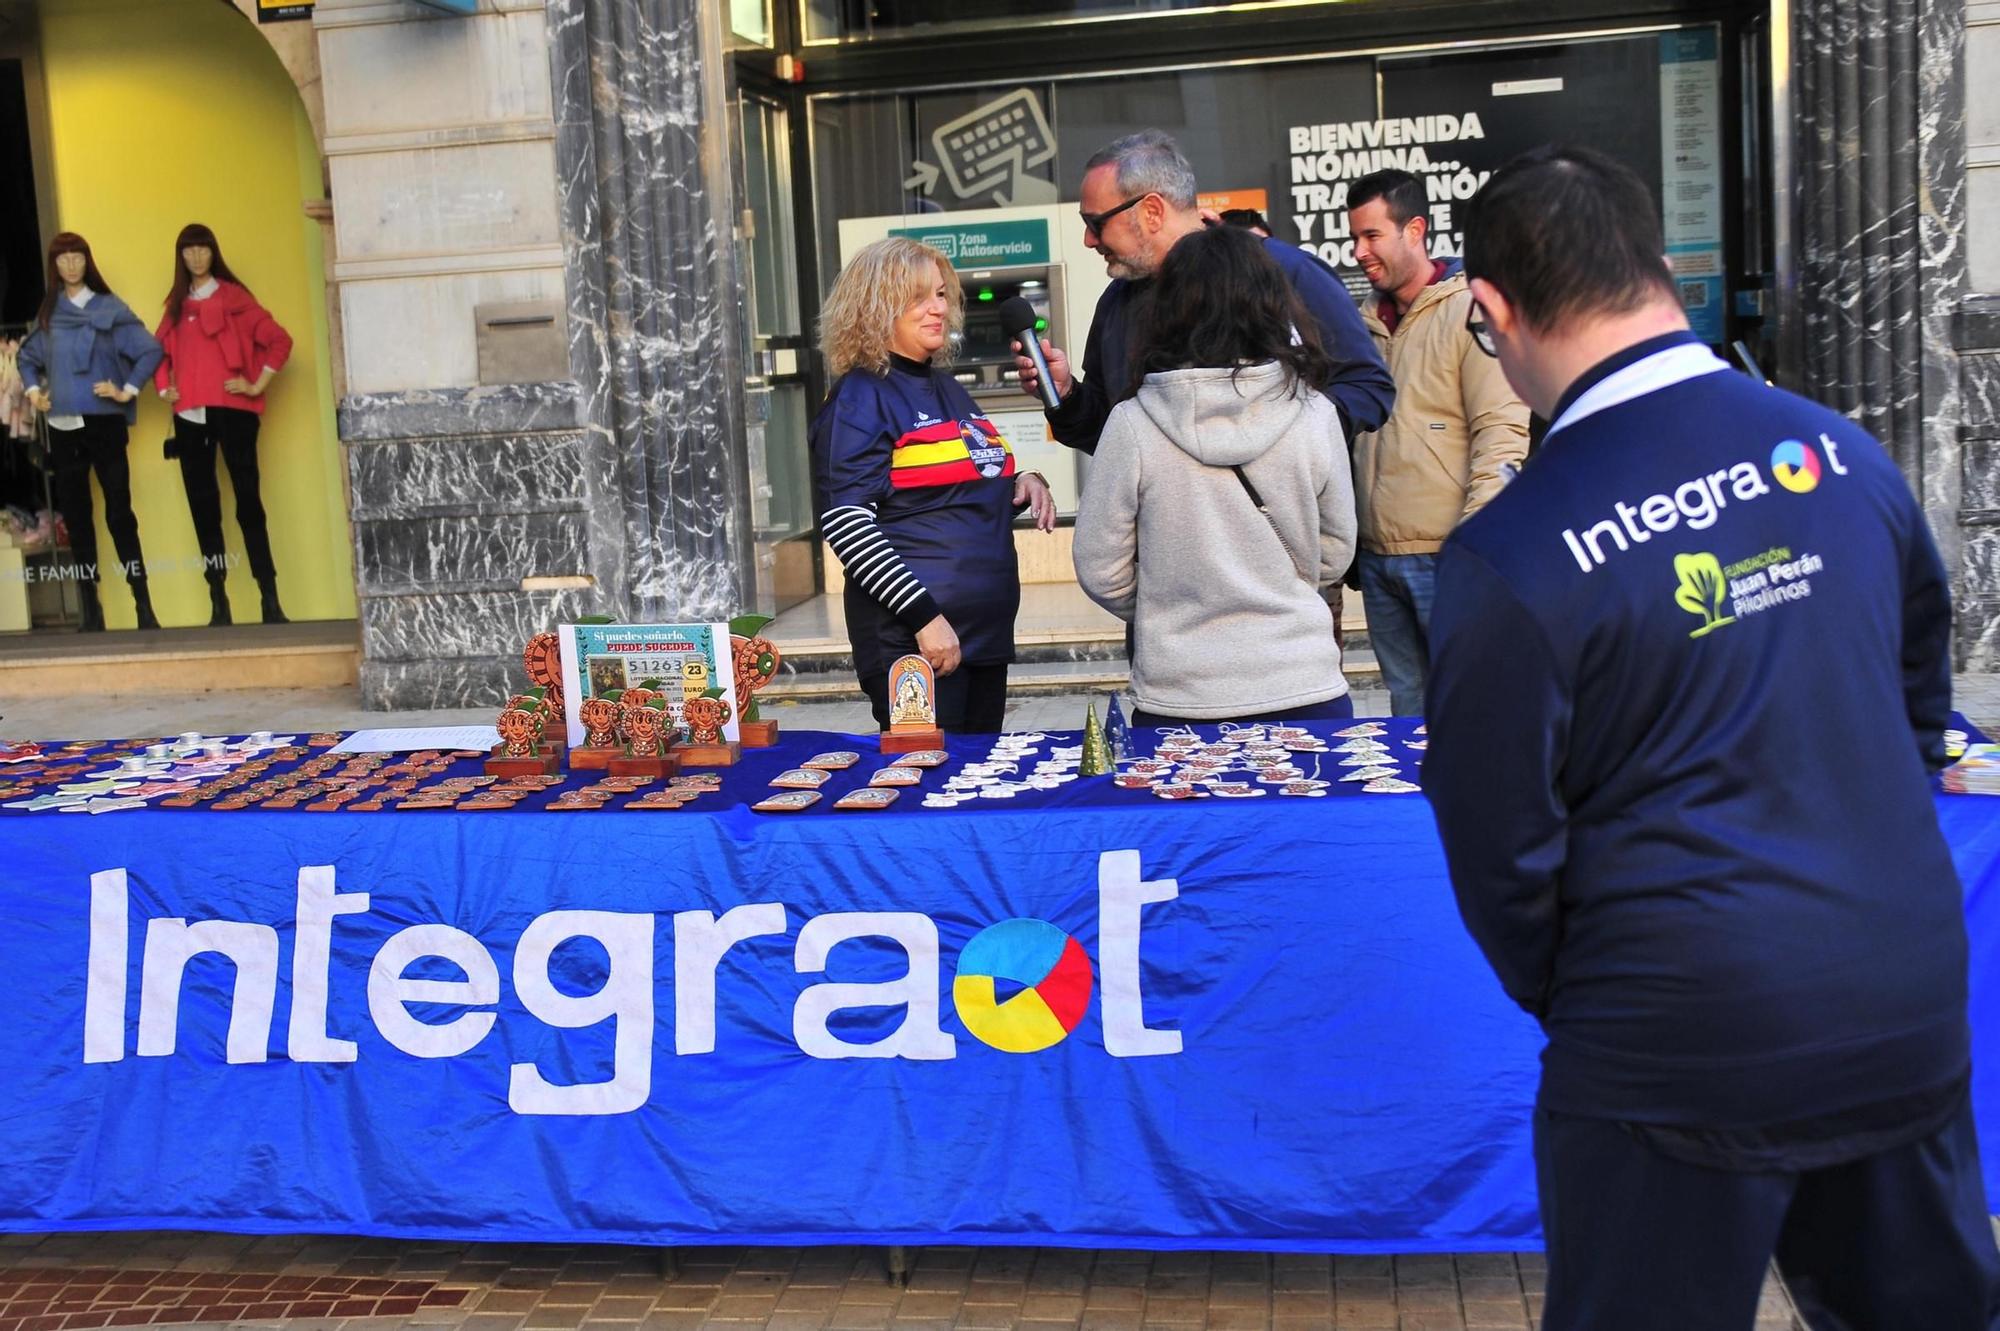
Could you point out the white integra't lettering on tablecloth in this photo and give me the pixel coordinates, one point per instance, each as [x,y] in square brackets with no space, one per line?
[701,940]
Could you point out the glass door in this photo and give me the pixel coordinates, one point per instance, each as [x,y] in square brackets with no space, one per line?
[775,386]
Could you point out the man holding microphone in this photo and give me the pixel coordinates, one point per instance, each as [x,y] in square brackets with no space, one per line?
[1137,201]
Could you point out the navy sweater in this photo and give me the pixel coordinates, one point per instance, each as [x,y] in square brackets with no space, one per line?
[1361,389]
[1689,675]
[81,348]
[915,491]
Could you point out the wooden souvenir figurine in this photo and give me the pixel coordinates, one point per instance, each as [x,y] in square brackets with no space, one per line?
[648,742]
[554,735]
[542,659]
[756,659]
[601,742]
[912,707]
[522,751]
[705,717]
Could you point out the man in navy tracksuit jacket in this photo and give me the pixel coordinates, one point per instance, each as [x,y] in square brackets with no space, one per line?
[1690,675]
[1138,198]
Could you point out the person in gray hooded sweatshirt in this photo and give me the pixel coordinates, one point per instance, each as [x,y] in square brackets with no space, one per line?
[1219,511]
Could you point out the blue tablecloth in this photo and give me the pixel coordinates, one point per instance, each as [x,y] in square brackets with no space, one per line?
[1288,1041]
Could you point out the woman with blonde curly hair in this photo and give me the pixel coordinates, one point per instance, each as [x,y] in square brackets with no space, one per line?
[917,491]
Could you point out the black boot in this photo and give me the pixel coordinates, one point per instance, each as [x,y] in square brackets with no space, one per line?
[218,601]
[142,601]
[93,613]
[268,589]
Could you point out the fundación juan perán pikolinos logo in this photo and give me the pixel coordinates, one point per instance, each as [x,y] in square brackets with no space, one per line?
[1702,591]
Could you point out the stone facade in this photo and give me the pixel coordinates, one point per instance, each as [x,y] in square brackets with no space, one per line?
[555,153]
[1976,336]
[577,152]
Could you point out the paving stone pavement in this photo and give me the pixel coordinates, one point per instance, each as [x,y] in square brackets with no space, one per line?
[314,1283]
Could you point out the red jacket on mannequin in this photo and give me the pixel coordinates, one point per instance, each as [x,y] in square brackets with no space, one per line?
[226,336]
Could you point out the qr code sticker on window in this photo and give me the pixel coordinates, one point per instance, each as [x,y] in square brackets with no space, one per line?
[1694,295]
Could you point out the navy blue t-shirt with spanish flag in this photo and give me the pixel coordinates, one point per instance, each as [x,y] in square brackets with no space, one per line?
[915,491]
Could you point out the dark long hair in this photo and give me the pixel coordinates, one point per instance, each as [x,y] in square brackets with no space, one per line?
[194,233]
[1220,301]
[68,242]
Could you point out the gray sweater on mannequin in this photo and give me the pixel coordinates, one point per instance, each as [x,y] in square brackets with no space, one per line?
[1229,615]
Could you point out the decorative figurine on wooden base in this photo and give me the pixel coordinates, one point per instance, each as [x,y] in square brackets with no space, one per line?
[649,747]
[554,735]
[542,658]
[522,750]
[704,718]
[601,742]
[912,707]
[757,661]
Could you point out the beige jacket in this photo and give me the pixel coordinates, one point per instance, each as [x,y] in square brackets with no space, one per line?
[1457,426]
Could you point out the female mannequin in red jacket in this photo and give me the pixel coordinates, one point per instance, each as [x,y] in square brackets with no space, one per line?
[222,351]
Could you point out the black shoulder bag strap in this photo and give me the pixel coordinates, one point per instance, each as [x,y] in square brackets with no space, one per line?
[1258,501]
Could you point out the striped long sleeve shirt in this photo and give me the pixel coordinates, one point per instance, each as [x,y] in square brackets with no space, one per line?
[914,488]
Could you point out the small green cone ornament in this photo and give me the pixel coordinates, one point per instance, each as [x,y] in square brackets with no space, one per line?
[1096,759]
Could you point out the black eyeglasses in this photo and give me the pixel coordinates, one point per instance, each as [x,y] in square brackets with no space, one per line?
[1095,221]
[1475,324]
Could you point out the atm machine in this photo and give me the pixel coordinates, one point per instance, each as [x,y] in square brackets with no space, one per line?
[1033,252]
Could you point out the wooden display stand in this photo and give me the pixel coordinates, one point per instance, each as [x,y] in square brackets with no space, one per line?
[658,766]
[588,758]
[757,734]
[724,754]
[543,762]
[912,739]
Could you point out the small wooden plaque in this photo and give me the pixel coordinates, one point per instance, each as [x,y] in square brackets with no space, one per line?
[910,741]
[709,755]
[758,734]
[620,764]
[544,763]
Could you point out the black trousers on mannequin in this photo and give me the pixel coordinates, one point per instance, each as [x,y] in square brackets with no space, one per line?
[235,434]
[100,447]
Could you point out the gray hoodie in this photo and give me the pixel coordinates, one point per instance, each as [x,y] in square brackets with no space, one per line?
[1228,618]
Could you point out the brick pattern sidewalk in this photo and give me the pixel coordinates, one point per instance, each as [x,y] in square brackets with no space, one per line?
[63,1281]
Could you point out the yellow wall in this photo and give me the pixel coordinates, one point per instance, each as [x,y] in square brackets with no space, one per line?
[164,112]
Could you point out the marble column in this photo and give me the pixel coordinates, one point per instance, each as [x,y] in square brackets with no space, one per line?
[642,129]
[1879,98]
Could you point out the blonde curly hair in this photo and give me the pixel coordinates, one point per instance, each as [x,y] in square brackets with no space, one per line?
[878,284]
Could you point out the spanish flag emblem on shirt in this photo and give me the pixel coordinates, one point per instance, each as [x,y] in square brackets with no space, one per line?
[951,453]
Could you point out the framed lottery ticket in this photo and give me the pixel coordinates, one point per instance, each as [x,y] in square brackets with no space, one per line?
[680,661]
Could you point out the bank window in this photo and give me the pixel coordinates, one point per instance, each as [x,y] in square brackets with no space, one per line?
[750,22]
[989,173]
[873,20]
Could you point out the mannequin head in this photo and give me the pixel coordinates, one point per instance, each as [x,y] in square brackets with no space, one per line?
[70,265]
[197,257]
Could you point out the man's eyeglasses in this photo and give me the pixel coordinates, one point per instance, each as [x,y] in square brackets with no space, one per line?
[1095,221]
[1475,324]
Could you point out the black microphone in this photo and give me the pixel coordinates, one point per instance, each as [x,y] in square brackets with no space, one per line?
[1017,320]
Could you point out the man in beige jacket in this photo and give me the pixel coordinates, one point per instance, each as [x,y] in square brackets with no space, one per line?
[1457,434]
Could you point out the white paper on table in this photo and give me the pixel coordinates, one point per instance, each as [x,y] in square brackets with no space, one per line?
[412,738]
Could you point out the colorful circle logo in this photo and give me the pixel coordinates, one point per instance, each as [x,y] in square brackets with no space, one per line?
[1022,985]
[1796,466]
